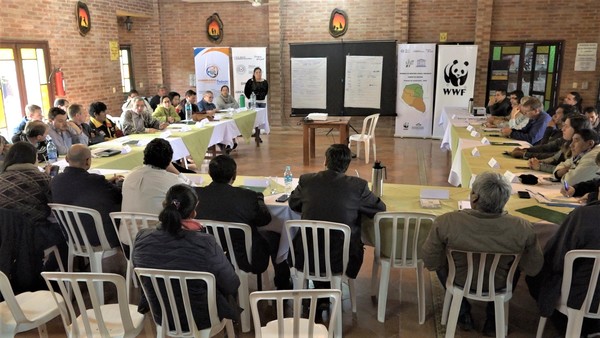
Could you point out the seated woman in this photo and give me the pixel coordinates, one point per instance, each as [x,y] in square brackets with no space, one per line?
[177,244]
[573,124]
[581,166]
[25,189]
[165,112]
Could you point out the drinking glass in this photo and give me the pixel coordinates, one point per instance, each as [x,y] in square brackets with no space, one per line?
[273,185]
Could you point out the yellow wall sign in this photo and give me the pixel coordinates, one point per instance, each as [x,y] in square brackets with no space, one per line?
[114,50]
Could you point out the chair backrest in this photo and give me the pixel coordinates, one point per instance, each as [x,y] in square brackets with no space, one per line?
[65,281]
[297,297]
[407,226]
[312,255]
[9,298]
[570,258]
[482,266]
[165,285]
[213,227]
[369,124]
[70,218]
[130,224]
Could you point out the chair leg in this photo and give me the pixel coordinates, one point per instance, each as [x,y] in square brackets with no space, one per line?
[229,328]
[367,146]
[421,292]
[374,279]
[374,149]
[43,332]
[446,308]
[453,315]
[541,326]
[352,294]
[357,149]
[384,282]
[336,283]
[244,300]
[499,305]
[574,323]
[96,266]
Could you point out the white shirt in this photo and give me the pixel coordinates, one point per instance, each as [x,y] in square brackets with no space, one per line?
[145,188]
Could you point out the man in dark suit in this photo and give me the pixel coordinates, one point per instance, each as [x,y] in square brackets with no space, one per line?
[76,186]
[220,201]
[332,196]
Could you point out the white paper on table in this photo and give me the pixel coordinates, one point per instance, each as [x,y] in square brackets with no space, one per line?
[441,194]
[126,149]
[165,134]
[196,179]
[474,133]
[485,141]
[512,178]
[453,116]
[462,205]
[475,152]
[144,142]
[493,163]
[256,182]
[202,123]
[470,127]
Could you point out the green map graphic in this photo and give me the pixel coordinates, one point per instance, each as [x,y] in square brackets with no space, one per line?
[413,96]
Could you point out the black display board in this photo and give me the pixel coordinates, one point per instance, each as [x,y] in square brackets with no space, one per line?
[335,53]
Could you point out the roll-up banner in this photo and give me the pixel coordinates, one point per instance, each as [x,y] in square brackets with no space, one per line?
[212,69]
[414,98]
[245,59]
[455,80]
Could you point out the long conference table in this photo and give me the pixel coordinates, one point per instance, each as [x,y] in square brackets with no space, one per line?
[186,140]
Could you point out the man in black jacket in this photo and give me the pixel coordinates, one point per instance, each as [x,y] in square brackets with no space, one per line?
[220,201]
[499,105]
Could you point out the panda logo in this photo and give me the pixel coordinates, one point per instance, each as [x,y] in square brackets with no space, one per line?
[455,74]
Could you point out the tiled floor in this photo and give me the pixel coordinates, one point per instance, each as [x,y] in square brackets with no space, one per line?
[410,161]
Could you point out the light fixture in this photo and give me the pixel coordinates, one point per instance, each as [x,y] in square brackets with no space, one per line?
[128,23]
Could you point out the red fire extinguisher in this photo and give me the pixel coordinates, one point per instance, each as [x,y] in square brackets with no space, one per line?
[59,82]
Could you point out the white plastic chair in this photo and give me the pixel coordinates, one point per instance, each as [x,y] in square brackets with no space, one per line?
[408,226]
[26,310]
[70,218]
[576,316]
[165,294]
[294,326]
[479,264]
[130,224]
[111,320]
[366,136]
[243,291]
[325,273]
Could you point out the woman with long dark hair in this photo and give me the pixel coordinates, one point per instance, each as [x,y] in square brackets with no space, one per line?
[178,244]
[257,85]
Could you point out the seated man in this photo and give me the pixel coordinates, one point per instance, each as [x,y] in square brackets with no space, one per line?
[62,104]
[534,130]
[499,105]
[225,100]
[100,122]
[35,133]
[140,120]
[75,186]
[190,96]
[592,115]
[206,106]
[130,102]
[484,228]
[155,100]
[587,191]
[581,166]
[220,201]
[80,117]
[332,196]
[62,132]
[578,231]
[32,113]
[144,189]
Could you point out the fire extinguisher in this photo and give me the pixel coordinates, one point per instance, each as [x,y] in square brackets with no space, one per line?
[59,82]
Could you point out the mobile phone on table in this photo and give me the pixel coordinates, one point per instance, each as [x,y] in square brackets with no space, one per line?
[552,179]
[522,167]
[282,198]
[523,194]
[54,170]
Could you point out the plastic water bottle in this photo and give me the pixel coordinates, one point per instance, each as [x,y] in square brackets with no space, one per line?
[188,111]
[242,101]
[253,100]
[287,179]
[52,152]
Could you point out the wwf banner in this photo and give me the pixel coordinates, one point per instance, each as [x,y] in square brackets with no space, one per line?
[455,80]
[212,69]
[414,98]
[245,59]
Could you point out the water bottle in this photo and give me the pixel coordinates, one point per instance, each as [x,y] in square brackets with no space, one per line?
[188,111]
[242,101]
[378,173]
[52,152]
[470,106]
[287,179]
[253,100]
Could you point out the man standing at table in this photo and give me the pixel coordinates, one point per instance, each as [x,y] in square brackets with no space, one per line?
[140,120]
[484,228]
[534,131]
[220,201]
[332,196]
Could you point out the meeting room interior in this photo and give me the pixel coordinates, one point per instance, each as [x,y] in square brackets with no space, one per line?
[427,94]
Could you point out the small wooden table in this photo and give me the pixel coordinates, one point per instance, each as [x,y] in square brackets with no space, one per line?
[333,122]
